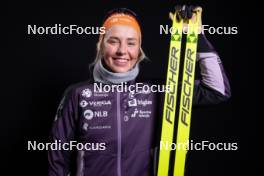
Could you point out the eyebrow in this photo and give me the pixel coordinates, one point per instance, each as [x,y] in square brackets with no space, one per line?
[116,38]
[112,37]
[132,39]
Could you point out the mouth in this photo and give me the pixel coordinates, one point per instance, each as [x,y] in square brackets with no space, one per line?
[120,61]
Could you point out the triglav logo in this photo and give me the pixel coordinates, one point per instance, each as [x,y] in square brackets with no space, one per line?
[144,102]
[134,102]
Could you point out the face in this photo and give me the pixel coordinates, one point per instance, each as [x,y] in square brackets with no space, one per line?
[121,48]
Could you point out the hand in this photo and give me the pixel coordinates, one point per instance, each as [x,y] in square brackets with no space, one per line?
[190,12]
[186,13]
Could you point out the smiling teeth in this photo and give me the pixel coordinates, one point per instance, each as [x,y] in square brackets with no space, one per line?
[121,60]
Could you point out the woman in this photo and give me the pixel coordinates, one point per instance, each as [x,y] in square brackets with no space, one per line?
[117,128]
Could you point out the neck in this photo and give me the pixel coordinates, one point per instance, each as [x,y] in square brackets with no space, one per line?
[103,75]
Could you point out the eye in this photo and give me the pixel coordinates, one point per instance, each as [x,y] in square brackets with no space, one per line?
[112,41]
[131,43]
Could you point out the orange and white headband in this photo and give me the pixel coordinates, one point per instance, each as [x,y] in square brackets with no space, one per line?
[122,19]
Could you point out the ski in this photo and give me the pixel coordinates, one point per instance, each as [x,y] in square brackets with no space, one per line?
[186,96]
[170,102]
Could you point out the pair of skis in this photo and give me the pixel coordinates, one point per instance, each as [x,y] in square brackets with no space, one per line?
[186,95]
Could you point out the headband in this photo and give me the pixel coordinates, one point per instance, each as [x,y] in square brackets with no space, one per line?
[122,19]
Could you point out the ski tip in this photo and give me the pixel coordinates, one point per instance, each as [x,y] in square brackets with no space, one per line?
[174,16]
[171,16]
[198,9]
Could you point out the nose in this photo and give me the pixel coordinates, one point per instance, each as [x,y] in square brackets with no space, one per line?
[122,49]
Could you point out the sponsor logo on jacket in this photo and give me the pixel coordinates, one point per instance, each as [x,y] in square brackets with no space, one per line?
[136,102]
[89,114]
[101,103]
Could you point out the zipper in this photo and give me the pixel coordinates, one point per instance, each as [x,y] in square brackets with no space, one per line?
[119,140]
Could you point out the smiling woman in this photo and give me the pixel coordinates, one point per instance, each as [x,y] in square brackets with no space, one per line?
[121,48]
[125,121]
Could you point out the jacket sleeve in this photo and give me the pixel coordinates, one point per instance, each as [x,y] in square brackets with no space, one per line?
[63,131]
[213,87]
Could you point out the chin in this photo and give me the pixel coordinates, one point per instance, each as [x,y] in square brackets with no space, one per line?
[120,70]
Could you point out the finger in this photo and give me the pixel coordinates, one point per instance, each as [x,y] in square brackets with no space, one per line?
[171,16]
[190,12]
[184,11]
[198,9]
[177,11]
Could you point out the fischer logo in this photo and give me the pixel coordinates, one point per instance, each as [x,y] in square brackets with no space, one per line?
[187,89]
[89,114]
[171,99]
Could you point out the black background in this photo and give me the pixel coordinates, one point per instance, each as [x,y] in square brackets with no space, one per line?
[38,68]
